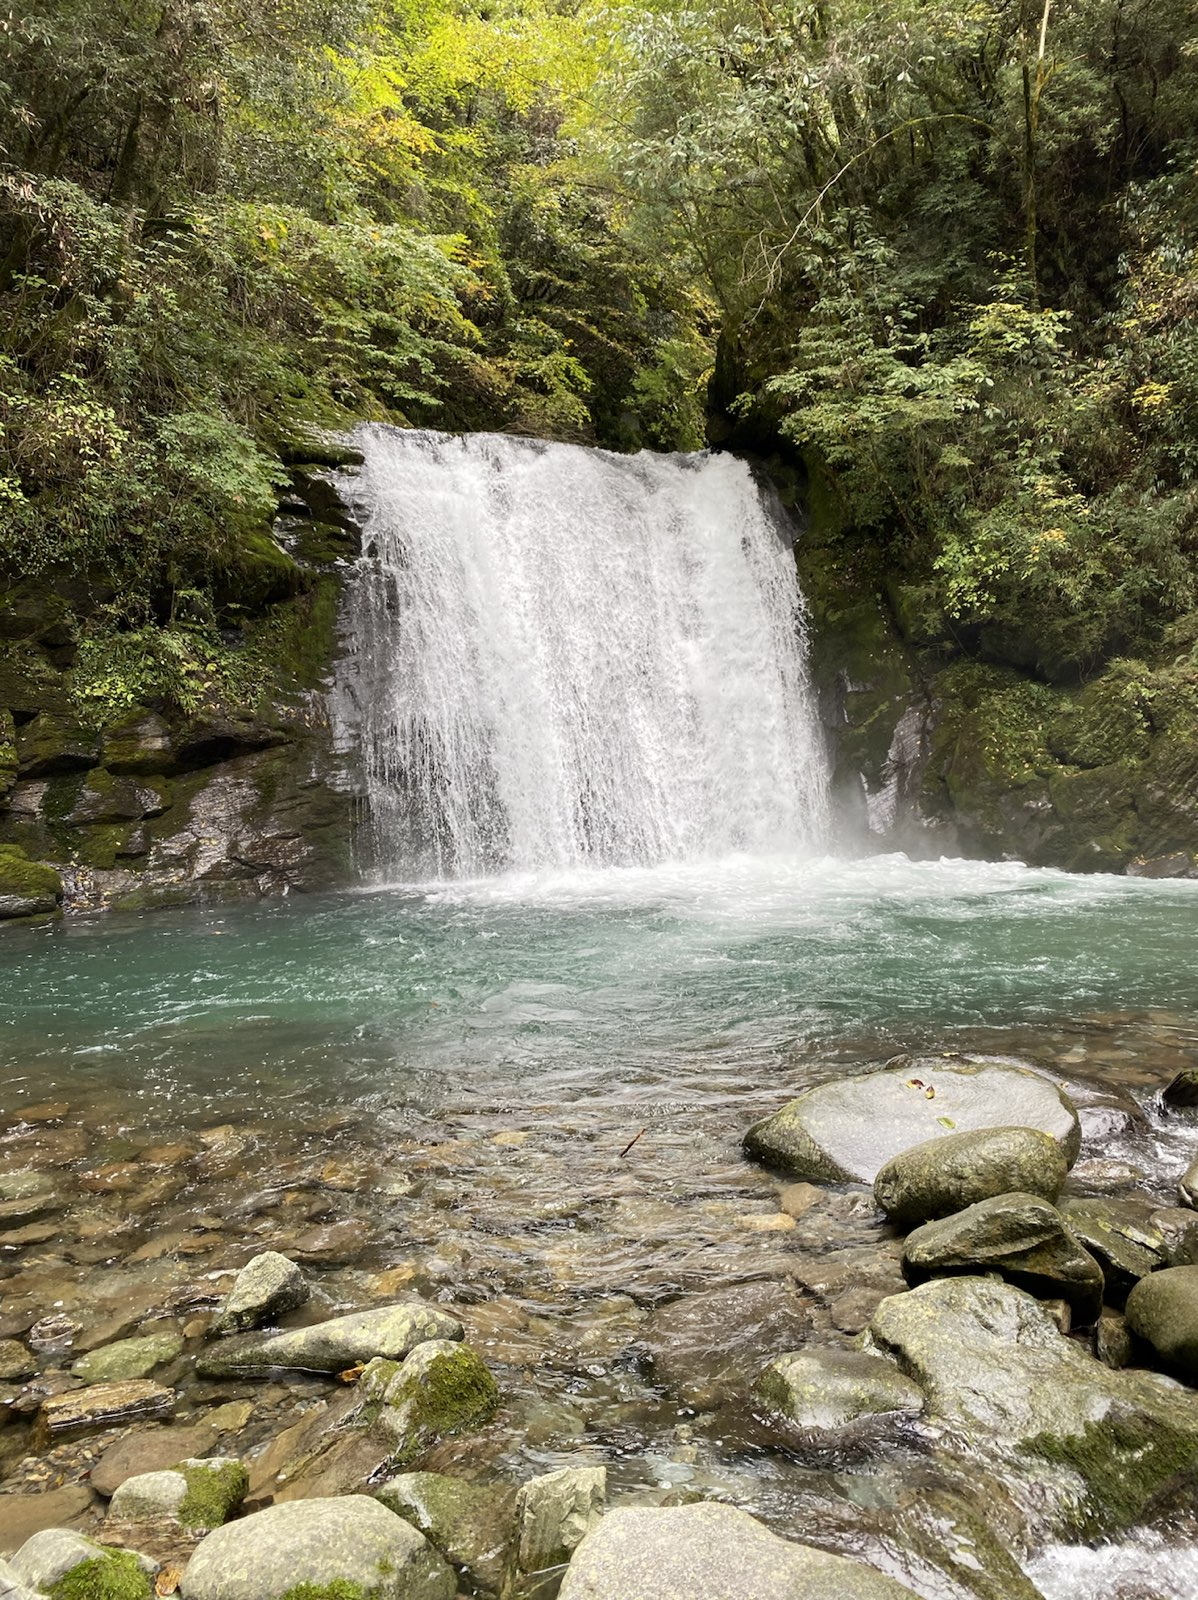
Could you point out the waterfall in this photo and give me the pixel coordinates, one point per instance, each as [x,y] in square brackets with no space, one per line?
[558,656]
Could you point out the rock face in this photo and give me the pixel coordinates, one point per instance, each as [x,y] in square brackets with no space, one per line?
[27,888]
[390,1331]
[946,1175]
[848,1129]
[1163,1310]
[838,1393]
[263,1290]
[1085,1448]
[352,1542]
[710,1552]
[1019,1235]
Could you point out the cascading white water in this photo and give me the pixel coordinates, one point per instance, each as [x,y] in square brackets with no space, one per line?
[558,656]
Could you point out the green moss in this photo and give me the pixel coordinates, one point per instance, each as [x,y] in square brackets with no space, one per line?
[214,1491]
[338,1589]
[1125,1461]
[115,1575]
[28,886]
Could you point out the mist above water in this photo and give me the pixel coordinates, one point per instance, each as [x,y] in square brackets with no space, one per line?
[559,657]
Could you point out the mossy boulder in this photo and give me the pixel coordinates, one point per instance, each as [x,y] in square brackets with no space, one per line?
[138,744]
[196,1495]
[67,1566]
[1085,1450]
[440,1388]
[266,1287]
[346,1548]
[946,1175]
[1019,1235]
[27,888]
[108,798]
[470,1524]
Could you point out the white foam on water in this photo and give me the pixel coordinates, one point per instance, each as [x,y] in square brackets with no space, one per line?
[560,657]
[1144,1567]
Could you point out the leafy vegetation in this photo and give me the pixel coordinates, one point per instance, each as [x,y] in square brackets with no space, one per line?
[941,250]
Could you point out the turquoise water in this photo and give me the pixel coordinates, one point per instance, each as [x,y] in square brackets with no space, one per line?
[710,979]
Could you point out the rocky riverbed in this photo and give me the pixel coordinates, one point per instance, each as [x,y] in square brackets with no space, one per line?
[458,1341]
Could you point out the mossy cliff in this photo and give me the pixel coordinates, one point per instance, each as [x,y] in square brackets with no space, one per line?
[190,761]
[940,746]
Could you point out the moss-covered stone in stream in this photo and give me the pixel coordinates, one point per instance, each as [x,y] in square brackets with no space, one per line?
[214,1491]
[1125,1462]
[441,1388]
[115,1575]
[27,888]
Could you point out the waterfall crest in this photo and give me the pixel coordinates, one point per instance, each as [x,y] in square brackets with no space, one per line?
[557,657]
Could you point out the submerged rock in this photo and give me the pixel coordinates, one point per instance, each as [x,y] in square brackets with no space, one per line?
[1085,1449]
[1163,1310]
[265,1288]
[711,1552]
[389,1331]
[1019,1235]
[946,1175]
[350,1546]
[838,1394]
[470,1524]
[848,1129]
[702,1345]
[1187,1187]
[128,1358]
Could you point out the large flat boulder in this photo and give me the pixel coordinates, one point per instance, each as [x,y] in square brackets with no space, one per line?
[848,1129]
[350,1545]
[710,1552]
[1085,1449]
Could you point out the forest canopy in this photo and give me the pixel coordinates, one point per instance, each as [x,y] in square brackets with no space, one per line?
[937,254]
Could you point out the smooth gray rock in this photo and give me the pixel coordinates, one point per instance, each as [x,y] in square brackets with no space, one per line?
[711,1552]
[1083,1448]
[1121,1234]
[351,1539]
[1019,1235]
[266,1287]
[946,1175]
[1187,1187]
[555,1512]
[149,1497]
[1163,1310]
[835,1393]
[389,1331]
[848,1129]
